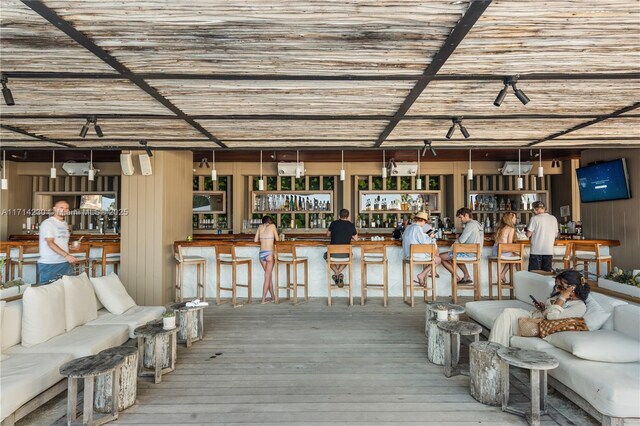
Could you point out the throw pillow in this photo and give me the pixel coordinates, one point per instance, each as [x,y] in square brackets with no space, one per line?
[595,316]
[599,345]
[43,314]
[529,327]
[548,327]
[112,293]
[79,300]
[2,303]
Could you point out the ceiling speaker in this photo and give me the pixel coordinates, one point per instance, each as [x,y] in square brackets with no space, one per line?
[126,164]
[145,165]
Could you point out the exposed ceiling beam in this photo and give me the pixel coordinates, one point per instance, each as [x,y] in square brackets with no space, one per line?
[588,123]
[33,135]
[41,9]
[461,29]
[52,75]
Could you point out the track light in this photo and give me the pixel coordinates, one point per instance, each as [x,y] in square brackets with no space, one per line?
[501,95]
[146,148]
[457,121]
[85,129]
[427,146]
[451,129]
[97,128]
[520,94]
[511,81]
[204,163]
[464,131]
[6,92]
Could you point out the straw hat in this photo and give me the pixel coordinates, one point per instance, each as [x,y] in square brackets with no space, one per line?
[422,215]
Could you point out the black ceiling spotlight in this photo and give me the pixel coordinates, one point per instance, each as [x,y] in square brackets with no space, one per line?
[511,81]
[146,148]
[464,131]
[204,163]
[452,129]
[427,145]
[555,163]
[85,129]
[97,128]
[6,92]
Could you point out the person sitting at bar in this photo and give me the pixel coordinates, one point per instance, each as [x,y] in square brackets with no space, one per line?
[341,231]
[55,259]
[504,234]
[267,235]
[419,232]
[472,234]
[542,230]
[568,300]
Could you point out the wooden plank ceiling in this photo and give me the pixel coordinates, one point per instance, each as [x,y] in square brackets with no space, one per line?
[314,74]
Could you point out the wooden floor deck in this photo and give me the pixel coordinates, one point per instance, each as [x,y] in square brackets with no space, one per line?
[311,364]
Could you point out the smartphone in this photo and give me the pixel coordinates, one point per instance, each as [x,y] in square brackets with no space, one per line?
[535,302]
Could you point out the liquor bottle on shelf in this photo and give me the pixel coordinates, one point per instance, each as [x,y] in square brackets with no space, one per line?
[502,205]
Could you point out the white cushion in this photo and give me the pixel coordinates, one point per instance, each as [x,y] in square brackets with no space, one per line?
[79,300]
[12,324]
[531,343]
[26,376]
[132,318]
[599,345]
[81,341]
[339,259]
[112,293]
[626,320]
[373,257]
[596,316]
[607,303]
[527,283]
[486,311]
[587,256]
[2,303]
[43,315]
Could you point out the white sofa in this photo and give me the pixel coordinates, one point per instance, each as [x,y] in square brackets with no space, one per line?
[611,390]
[30,375]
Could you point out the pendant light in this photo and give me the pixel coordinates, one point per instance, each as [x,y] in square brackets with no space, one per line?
[4,183]
[419,179]
[214,172]
[298,171]
[261,180]
[384,167]
[520,183]
[92,173]
[540,168]
[342,173]
[52,172]
[470,170]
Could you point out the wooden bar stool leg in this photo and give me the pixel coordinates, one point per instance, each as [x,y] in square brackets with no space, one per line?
[350,284]
[233,284]
[288,281]
[306,281]
[385,284]
[329,281]
[217,282]
[476,280]
[404,282]
[491,279]
[295,283]
[499,278]
[363,280]
[454,282]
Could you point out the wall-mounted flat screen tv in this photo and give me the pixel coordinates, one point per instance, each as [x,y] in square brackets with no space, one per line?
[604,181]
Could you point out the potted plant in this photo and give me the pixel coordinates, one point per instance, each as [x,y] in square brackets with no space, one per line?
[169,320]
[622,282]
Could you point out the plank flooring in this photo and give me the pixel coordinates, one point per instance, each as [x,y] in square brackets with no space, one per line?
[314,365]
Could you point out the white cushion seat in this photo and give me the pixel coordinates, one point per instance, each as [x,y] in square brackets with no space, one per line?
[486,311]
[373,257]
[81,341]
[30,256]
[108,256]
[229,259]
[340,259]
[25,376]
[193,258]
[587,256]
[132,318]
[466,258]
[289,258]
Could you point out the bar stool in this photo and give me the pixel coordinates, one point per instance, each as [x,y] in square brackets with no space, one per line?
[374,255]
[81,253]
[562,254]
[287,255]
[588,253]
[422,255]
[508,254]
[110,256]
[473,253]
[339,249]
[28,254]
[201,273]
[226,256]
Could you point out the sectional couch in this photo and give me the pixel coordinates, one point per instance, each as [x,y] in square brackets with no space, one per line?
[599,369]
[56,323]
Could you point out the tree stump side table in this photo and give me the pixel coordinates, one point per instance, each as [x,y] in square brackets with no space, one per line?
[128,381]
[537,363]
[157,350]
[88,368]
[190,322]
[452,332]
[485,373]
[454,312]
[435,337]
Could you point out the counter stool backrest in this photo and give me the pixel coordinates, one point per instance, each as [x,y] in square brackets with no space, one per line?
[511,248]
[339,249]
[226,250]
[27,249]
[286,252]
[375,252]
[109,248]
[429,249]
[586,248]
[467,248]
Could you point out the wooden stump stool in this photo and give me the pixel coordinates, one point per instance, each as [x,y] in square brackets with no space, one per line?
[485,374]
[190,322]
[128,381]
[88,368]
[454,312]
[452,332]
[435,342]
[157,350]
[537,363]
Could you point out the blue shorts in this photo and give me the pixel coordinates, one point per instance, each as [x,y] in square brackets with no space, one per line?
[264,255]
[461,255]
[52,271]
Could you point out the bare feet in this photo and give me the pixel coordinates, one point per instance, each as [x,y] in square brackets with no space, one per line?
[264,302]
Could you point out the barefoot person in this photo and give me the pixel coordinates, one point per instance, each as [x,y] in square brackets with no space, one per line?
[504,235]
[55,259]
[472,234]
[419,232]
[267,235]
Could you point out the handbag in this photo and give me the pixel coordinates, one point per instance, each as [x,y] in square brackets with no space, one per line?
[548,327]
[528,327]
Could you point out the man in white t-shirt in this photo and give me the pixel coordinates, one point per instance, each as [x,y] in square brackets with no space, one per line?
[55,259]
[542,231]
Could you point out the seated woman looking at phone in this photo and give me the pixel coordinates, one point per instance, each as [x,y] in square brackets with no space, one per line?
[568,300]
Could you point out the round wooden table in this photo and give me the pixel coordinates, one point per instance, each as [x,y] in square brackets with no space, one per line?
[537,363]
[190,322]
[88,368]
[435,337]
[452,332]
[157,350]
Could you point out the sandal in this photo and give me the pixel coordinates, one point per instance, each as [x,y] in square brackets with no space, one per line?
[340,282]
[420,283]
[463,281]
[334,278]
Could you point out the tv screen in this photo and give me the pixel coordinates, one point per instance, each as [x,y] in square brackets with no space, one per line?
[604,181]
